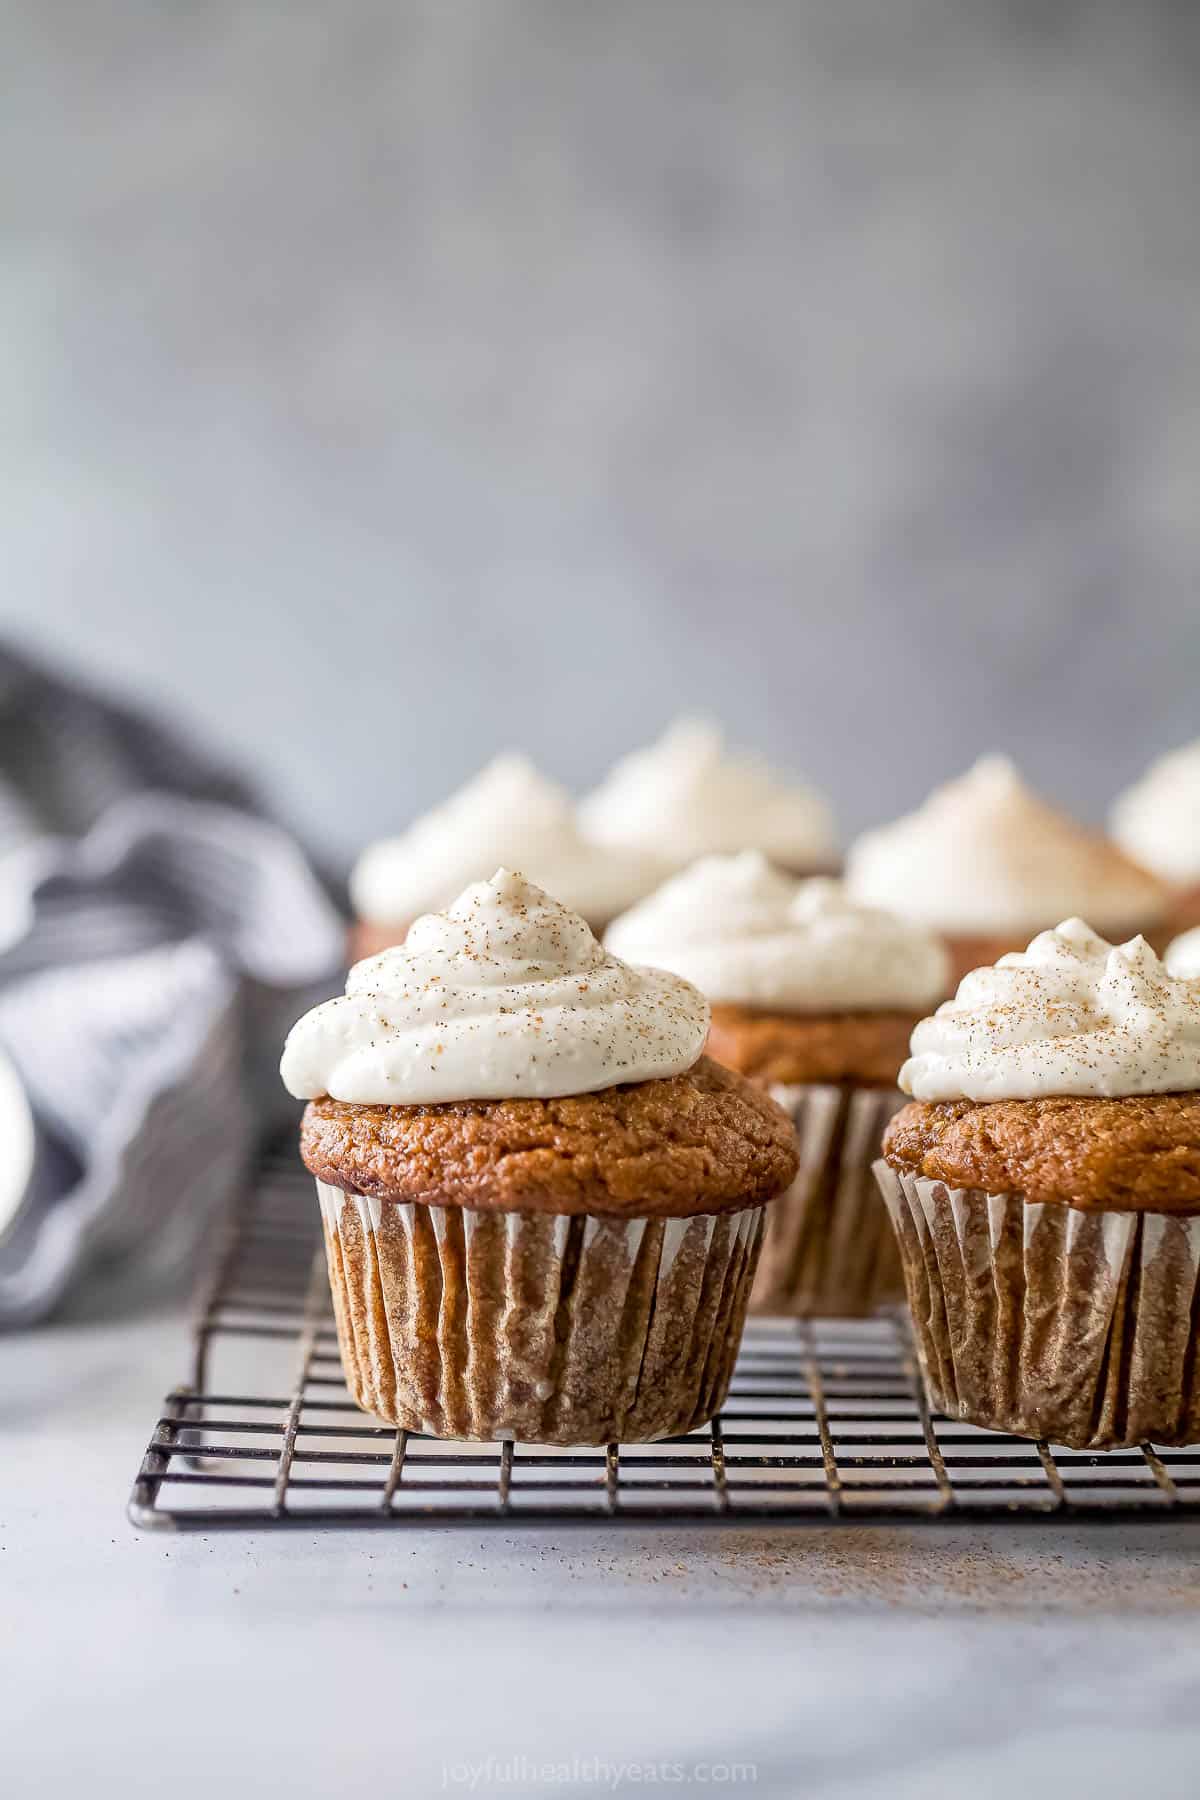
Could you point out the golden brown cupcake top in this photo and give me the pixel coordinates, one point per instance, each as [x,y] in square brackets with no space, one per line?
[703,1142]
[1140,1153]
[794,1048]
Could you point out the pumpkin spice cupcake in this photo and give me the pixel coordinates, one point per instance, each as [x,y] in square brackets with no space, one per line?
[813,998]
[987,864]
[507,814]
[1045,1190]
[1182,955]
[543,1206]
[1157,821]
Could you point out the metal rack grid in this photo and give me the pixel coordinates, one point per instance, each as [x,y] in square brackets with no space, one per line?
[826,1420]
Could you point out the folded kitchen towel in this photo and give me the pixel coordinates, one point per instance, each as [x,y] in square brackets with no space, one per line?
[157,938]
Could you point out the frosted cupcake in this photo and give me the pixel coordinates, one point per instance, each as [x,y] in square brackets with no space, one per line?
[688,796]
[1045,1190]
[543,1206]
[508,814]
[987,863]
[1157,821]
[813,998]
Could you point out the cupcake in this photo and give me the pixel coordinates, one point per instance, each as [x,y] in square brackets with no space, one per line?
[1044,1185]
[1157,821]
[509,813]
[987,863]
[813,998]
[687,796]
[543,1206]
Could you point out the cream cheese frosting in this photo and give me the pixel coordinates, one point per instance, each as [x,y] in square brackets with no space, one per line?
[1157,820]
[505,994]
[687,796]
[1183,955]
[509,813]
[985,855]
[1072,1014]
[749,935]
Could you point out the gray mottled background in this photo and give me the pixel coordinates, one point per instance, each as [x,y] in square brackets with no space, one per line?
[381,383]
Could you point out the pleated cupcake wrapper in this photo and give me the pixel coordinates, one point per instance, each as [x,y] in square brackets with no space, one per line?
[537,1326]
[829,1249]
[1048,1321]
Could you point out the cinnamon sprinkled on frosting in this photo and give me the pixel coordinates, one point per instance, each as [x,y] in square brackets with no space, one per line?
[505,994]
[1072,1014]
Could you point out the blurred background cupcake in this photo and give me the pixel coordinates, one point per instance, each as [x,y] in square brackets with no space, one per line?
[508,815]
[988,864]
[1157,820]
[687,796]
[814,998]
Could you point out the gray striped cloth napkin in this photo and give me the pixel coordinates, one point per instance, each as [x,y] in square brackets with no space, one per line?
[157,938]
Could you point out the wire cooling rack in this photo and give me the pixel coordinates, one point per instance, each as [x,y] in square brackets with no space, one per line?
[826,1419]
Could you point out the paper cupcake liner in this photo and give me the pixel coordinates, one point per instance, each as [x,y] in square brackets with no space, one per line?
[538,1326]
[1048,1321]
[829,1249]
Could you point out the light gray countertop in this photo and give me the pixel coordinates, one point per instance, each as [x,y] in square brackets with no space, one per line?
[847,1660]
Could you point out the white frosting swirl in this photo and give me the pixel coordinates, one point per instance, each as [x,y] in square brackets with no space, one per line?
[506,994]
[1072,1014]
[745,933]
[685,796]
[1183,955]
[508,814]
[985,855]
[1157,820]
